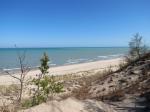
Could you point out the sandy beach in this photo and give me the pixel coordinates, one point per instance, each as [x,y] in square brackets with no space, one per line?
[62,70]
[68,69]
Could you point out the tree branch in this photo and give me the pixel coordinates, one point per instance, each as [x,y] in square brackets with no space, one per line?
[12,75]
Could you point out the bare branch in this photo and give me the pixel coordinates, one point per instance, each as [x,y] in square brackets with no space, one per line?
[23,69]
[12,75]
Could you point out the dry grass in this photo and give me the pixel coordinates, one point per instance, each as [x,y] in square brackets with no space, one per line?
[8,108]
[8,95]
[81,93]
[117,95]
[66,77]
[8,90]
[86,83]
[72,76]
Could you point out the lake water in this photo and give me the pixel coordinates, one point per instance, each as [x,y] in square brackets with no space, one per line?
[58,56]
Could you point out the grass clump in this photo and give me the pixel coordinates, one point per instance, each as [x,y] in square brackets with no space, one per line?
[7,108]
[7,90]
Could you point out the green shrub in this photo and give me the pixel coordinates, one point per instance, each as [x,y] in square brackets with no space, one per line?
[45,84]
[27,103]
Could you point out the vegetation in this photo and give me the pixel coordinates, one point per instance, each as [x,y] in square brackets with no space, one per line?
[137,50]
[45,84]
[7,108]
[137,47]
[23,72]
[44,64]
[120,82]
[8,90]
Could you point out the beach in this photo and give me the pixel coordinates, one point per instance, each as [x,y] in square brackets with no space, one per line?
[74,56]
[63,70]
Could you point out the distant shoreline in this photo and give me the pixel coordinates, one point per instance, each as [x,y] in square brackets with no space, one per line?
[63,70]
[16,70]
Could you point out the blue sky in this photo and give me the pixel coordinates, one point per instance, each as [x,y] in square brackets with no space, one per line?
[62,23]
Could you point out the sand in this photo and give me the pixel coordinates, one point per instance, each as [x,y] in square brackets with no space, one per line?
[72,105]
[62,70]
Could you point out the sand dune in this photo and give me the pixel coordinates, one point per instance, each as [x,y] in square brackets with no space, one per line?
[72,105]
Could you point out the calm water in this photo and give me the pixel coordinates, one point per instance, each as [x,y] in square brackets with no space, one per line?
[58,56]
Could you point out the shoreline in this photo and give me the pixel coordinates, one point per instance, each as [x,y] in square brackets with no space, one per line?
[74,68]
[66,69]
[17,69]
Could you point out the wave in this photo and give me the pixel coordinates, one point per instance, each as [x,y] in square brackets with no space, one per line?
[10,69]
[17,69]
[105,57]
[102,57]
[52,64]
[90,60]
[111,56]
[74,61]
[116,55]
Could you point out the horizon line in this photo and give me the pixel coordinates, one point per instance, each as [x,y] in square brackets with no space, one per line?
[67,47]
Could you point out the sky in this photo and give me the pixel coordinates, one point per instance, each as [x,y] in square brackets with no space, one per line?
[73,23]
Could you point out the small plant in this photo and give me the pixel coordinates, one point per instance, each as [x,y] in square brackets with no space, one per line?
[107,71]
[45,84]
[44,64]
[137,48]
[123,63]
[27,103]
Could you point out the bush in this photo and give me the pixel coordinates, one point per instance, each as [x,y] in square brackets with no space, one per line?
[45,84]
[137,47]
[27,103]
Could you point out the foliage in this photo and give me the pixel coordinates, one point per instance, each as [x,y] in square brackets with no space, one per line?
[45,84]
[27,103]
[137,47]
[44,64]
